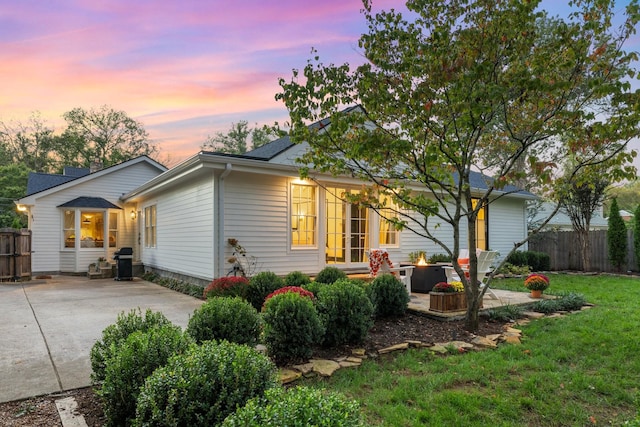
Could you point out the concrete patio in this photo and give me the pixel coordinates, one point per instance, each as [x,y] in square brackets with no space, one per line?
[420,303]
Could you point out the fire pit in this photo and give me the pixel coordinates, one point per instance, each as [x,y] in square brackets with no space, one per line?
[425,276]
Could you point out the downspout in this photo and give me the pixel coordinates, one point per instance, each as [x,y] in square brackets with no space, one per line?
[220,211]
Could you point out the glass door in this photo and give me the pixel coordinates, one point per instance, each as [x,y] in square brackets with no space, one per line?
[347,229]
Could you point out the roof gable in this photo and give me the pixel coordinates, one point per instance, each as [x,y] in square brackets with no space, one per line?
[89,202]
[41,183]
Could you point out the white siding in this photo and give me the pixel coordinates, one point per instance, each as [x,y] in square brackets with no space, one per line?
[46,221]
[507,224]
[184,229]
[256,212]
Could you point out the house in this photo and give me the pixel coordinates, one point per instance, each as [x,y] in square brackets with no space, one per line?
[191,211]
[78,216]
[179,221]
[539,212]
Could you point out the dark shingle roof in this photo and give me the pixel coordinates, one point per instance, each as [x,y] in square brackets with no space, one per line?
[42,181]
[271,149]
[89,202]
[76,172]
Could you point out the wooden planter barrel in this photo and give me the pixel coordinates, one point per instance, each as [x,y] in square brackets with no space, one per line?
[447,301]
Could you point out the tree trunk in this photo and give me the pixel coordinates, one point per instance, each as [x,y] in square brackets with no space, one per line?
[472,319]
[585,249]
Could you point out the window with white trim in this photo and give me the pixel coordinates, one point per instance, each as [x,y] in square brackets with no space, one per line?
[150,226]
[389,234]
[303,215]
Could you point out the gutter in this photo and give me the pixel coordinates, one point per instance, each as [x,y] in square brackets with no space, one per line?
[219,209]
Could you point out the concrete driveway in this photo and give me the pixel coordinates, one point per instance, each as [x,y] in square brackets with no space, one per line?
[47,328]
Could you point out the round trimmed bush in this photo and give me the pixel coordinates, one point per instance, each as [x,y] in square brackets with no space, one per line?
[261,285]
[114,335]
[300,406]
[329,275]
[388,295]
[314,287]
[292,327]
[296,278]
[345,311]
[204,385]
[137,358]
[231,319]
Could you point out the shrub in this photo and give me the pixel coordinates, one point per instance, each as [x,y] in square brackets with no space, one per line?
[300,406]
[506,313]
[518,258]
[439,258]
[388,295]
[314,287]
[616,237]
[329,275]
[261,285]
[571,301]
[233,286]
[204,385]
[137,358]
[114,335]
[298,290]
[546,306]
[346,313]
[231,319]
[517,270]
[291,327]
[296,278]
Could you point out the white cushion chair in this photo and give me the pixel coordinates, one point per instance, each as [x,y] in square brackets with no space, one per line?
[485,260]
[379,263]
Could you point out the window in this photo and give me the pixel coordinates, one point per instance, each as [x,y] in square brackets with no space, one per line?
[113,229]
[69,229]
[150,226]
[389,235]
[482,229]
[91,229]
[303,215]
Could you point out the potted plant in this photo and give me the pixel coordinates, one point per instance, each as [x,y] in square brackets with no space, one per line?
[447,297]
[536,283]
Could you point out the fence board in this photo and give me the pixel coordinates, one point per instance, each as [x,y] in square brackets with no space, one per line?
[564,250]
[15,254]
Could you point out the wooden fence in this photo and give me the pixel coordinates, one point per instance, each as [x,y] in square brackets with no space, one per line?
[564,250]
[15,254]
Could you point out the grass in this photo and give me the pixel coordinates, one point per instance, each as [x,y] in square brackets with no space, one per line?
[582,369]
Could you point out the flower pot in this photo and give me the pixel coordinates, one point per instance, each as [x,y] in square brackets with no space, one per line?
[536,293]
[447,301]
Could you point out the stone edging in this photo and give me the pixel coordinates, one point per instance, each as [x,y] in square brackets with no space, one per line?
[327,367]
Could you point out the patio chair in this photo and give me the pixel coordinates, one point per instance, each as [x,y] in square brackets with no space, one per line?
[485,259]
[379,263]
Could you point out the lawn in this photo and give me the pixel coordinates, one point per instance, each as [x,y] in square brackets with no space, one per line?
[581,369]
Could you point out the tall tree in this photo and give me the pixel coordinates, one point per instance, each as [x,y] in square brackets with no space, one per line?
[468,86]
[13,185]
[104,134]
[31,143]
[617,237]
[583,195]
[239,138]
[636,234]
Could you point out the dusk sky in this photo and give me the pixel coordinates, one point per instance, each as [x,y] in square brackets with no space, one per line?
[184,69]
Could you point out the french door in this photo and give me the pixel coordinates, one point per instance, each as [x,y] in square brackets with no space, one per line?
[347,229]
